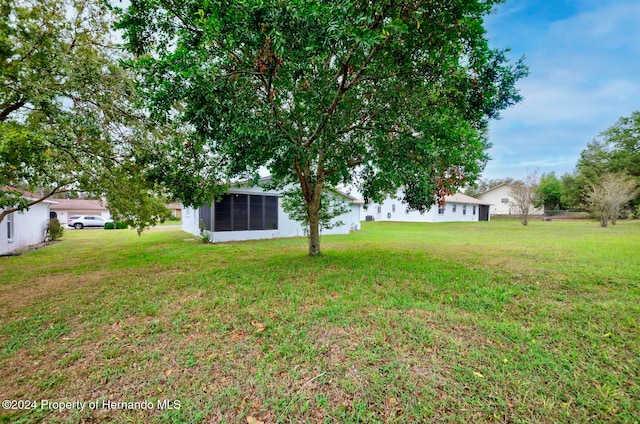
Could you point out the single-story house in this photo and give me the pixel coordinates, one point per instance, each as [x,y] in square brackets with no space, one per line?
[501,201]
[23,229]
[250,213]
[66,208]
[176,209]
[457,208]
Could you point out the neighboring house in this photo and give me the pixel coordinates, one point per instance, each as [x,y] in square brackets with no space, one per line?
[22,229]
[252,213]
[66,208]
[501,201]
[176,209]
[457,208]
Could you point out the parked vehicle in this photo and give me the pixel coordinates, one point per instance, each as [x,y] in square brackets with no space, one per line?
[80,221]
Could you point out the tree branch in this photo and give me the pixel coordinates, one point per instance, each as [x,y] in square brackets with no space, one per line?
[6,212]
[11,107]
[344,73]
[170,6]
[274,108]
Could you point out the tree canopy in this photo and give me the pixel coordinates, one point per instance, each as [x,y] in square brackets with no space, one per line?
[624,139]
[549,192]
[609,195]
[67,115]
[523,194]
[379,95]
[615,151]
[481,185]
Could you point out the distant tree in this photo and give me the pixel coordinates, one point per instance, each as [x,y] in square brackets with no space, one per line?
[523,194]
[571,191]
[617,150]
[595,160]
[549,192]
[624,137]
[609,195]
[381,94]
[483,185]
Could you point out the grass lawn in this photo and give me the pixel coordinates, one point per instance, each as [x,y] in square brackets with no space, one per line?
[460,322]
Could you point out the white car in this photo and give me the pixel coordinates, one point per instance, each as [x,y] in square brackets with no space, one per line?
[80,221]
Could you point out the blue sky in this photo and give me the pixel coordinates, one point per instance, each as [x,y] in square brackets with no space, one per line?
[584,61]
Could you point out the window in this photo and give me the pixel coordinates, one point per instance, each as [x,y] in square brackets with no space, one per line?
[270,213]
[10,233]
[464,209]
[256,212]
[474,210]
[379,209]
[393,208]
[505,200]
[242,212]
[453,207]
[441,209]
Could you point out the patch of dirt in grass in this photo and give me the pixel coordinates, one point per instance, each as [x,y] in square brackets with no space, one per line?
[51,286]
[12,374]
[17,296]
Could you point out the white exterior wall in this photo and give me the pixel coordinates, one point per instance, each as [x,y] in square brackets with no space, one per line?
[190,220]
[498,207]
[355,218]
[28,228]
[286,226]
[495,196]
[384,212]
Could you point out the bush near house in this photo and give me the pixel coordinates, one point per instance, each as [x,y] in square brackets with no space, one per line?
[54,229]
[115,225]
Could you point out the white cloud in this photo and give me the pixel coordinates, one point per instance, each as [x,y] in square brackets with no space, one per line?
[611,24]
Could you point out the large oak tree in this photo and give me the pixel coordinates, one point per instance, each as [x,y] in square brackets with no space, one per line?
[378,94]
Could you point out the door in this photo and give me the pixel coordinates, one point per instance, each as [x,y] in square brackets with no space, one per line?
[484,213]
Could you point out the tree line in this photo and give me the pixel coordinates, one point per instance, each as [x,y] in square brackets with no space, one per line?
[605,180]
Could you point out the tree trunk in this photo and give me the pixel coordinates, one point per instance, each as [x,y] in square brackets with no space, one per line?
[313,213]
[603,220]
[312,193]
[314,234]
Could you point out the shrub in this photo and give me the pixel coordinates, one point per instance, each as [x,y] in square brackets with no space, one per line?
[117,225]
[54,229]
[204,234]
